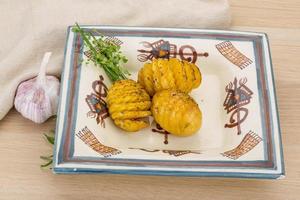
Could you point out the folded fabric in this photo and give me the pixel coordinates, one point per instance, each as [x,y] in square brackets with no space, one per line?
[29,28]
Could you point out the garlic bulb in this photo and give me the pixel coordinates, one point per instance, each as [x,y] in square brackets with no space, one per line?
[37,98]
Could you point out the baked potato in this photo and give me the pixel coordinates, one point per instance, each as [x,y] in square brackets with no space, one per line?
[176,112]
[171,73]
[129,105]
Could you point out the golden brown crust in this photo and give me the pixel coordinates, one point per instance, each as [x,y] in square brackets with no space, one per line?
[170,73]
[129,105]
[176,112]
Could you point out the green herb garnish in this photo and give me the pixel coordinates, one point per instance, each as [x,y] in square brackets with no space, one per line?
[104,54]
[48,159]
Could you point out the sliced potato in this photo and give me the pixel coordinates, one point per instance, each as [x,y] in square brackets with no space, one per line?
[129,105]
[131,125]
[162,74]
[176,112]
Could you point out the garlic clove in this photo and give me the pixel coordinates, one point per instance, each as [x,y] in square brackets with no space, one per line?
[37,98]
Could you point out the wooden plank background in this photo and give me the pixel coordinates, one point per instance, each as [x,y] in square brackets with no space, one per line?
[21,142]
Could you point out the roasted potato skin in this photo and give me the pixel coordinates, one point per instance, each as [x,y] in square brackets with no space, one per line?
[162,74]
[176,112]
[129,105]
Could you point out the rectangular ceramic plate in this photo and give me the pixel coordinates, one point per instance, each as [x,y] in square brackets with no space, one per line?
[240,134]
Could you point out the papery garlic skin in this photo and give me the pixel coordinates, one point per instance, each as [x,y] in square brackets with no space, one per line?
[38,103]
[37,99]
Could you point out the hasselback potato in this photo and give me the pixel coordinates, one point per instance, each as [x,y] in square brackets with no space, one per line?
[129,105]
[176,112]
[171,73]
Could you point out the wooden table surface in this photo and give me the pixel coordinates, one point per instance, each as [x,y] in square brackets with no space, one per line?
[21,142]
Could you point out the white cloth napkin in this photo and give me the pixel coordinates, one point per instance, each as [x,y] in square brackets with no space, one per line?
[29,28]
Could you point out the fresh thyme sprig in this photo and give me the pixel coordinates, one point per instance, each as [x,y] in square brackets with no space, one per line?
[104,54]
[48,159]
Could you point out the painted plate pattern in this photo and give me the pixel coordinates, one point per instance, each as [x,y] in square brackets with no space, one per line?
[240,136]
